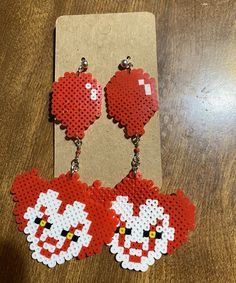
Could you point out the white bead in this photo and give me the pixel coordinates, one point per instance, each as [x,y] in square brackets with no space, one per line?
[88,86]
[93,91]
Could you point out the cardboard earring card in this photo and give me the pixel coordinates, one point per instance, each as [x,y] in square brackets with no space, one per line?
[105,39]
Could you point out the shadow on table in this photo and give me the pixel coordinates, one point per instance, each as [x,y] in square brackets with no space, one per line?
[12,267]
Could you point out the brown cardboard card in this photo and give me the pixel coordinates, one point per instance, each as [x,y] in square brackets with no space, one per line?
[105,39]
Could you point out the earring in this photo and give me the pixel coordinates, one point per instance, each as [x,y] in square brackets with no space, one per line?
[59,217]
[151,224]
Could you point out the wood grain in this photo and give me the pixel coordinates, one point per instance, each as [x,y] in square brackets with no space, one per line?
[197,80]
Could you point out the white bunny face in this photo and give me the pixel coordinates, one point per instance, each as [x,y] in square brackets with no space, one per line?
[56,237]
[142,238]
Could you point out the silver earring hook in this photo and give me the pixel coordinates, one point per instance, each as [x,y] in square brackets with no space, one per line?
[126,64]
[83,65]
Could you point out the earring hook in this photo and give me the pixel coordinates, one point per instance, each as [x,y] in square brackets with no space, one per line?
[126,64]
[83,65]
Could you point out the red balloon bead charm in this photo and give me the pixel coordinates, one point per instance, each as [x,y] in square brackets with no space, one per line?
[132,100]
[76,102]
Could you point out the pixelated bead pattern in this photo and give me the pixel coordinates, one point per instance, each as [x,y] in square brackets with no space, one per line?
[131,100]
[151,223]
[76,102]
[61,219]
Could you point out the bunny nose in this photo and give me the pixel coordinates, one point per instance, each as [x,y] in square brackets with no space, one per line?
[135,245]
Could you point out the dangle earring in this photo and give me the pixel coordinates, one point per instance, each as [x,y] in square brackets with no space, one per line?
[151,224]
[59,217]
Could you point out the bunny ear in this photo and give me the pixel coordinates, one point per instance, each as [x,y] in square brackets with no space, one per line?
[182,217]
[26,189]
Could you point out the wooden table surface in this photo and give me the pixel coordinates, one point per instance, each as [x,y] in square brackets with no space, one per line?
[197,88]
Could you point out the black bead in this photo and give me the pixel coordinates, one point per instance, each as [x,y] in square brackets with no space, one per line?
[75,238]
[37,220]
[158,235]
[48,225]
[117,229]
[64,233]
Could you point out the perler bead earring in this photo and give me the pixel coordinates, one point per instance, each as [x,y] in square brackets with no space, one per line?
[59,216]
[151,224]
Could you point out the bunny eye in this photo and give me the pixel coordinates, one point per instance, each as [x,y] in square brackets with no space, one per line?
[123,230]
[42,223]
[152,234]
